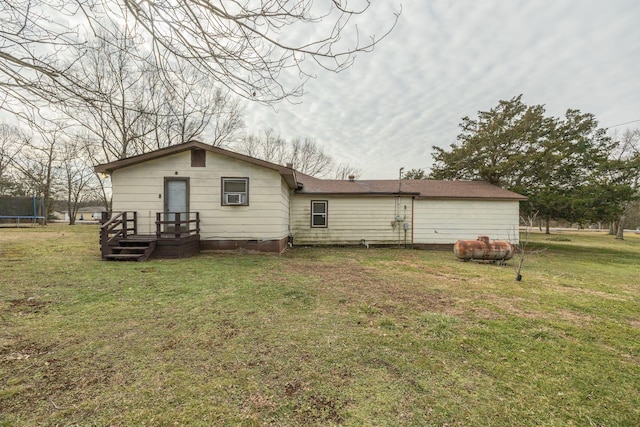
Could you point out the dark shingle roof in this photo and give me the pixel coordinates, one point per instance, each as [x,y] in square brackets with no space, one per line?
[431,189]
[306,184]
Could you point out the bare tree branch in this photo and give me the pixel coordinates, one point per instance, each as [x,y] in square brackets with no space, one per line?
[256,49]
[305,156]
[345,170]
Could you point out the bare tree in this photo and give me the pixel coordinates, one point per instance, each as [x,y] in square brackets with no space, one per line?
[37,164]
[626,162]
[117,114]
[191,106]
[256,49]
[309,158]
[228,119]
[31,42]
[248,46]
[102,189]
[305,156]
[12,139]
[523,249]
[77,176]
[248,145]
[345,170]
[135,108]
[268,146]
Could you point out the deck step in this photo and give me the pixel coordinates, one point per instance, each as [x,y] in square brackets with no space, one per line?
[139,239]
[130,248]
[123,257]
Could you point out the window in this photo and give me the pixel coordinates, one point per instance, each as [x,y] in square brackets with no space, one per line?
[235,191]
[319,213]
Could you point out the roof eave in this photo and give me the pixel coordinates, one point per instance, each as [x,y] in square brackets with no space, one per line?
[355,193]
[494,198]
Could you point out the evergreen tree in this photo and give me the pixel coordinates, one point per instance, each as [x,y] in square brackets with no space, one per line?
[562,165]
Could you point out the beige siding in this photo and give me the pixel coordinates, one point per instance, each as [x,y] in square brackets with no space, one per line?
[352,219]
[141,188]
[445,222]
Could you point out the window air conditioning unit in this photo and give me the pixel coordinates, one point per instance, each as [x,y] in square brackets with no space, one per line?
[233,199]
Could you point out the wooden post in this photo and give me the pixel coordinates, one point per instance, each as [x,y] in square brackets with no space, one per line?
[177,225]
[198,223]
[124,224]
[104,238]
[158,225]
[135,222]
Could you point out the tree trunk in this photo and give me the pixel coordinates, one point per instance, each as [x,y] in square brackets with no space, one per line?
[547,221]
[71,212]
[620,233]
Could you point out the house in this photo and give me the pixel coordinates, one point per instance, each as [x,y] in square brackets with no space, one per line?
[87,213]
[233,201]
[416,212]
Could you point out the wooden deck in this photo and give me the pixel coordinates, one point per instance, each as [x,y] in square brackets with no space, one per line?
[120,241]
[181,247]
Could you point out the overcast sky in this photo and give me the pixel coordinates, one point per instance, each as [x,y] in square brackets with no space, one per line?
[449,59]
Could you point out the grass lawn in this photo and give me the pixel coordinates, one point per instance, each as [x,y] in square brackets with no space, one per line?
[318,336]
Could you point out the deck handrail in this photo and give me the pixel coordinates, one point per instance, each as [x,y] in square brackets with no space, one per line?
[115,225]
[181,224]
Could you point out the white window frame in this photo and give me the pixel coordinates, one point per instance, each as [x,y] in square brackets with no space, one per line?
[324,215]
[235,198]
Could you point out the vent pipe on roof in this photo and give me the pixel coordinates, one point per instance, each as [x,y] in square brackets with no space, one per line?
[352,178]
[290,165]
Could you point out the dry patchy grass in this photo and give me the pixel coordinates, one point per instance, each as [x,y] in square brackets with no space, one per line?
[317,336]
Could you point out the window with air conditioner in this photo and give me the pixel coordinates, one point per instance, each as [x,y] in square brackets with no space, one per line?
[235,191]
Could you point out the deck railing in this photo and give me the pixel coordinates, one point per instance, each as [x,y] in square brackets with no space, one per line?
[169,225]
[177,224]
[116,225]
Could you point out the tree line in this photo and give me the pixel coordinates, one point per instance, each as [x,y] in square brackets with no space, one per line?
[569,168]
[47,162]
[86,82]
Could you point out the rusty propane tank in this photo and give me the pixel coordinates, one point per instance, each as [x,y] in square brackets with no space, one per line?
[483,249]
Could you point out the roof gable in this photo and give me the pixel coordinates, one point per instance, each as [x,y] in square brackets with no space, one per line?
[287,173]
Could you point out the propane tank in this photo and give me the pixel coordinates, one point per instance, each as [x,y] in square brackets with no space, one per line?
[483,249]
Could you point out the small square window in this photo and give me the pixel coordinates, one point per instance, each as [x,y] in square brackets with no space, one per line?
[319,210]
[235,191]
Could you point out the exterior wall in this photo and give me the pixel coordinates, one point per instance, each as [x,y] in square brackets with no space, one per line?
[447,221]
[275,212]
[141,188]
[351,219]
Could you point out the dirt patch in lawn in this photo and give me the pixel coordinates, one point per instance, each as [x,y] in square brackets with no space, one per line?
[355,284]
[42,376]
[26,305]
[12,350]
[425,271]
